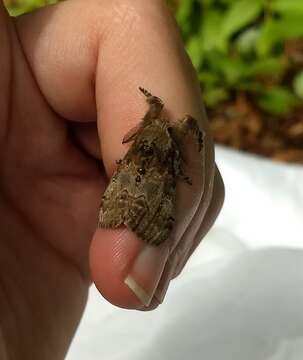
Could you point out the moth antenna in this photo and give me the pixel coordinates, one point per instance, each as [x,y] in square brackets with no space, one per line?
[145,92]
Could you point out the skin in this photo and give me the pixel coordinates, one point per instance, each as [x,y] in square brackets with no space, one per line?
[69,94]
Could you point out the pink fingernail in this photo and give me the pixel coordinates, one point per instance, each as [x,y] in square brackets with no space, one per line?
[146,272]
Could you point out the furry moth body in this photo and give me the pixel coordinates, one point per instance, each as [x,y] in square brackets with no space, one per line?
[142,191]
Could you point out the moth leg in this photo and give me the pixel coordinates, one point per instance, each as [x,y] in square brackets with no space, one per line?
[155,105]
[181,175]
[185,178]
[188,124]
[178,161]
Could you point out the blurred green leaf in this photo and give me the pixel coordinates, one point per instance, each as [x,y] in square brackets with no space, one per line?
[211,25]
[209,78]
[194,49]
[249,85]
[227,69]
[275,31]
[298,84]
[19,7]
[287,6]
[233,69]
[240,14]
[277,100]
[268,66]
[247,41]
[184,11]
[208,3]
[186,17]
[213,96]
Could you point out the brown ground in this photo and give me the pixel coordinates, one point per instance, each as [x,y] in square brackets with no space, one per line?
[241,125]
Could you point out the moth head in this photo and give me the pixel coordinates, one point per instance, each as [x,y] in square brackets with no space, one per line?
[154,100]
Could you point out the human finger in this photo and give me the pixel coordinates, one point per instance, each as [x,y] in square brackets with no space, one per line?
[106,50]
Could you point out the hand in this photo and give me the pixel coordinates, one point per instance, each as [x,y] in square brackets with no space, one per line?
[69,81]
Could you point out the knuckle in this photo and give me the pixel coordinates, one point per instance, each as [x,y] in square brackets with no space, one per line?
[139,13]
[126,12]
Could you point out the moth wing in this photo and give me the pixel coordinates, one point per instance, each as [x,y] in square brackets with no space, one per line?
[151,213]
[114,204]
[162,225]
[131,134]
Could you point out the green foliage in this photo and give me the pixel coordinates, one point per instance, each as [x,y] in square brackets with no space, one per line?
[239,14]
[235,45]
[275,31]
[238,45]
[298,84]
[277,100]
[287,6]
[19,7]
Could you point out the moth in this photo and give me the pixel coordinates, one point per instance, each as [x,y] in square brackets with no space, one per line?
[142,191]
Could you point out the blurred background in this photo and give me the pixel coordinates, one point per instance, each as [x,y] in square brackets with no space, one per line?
[249,58]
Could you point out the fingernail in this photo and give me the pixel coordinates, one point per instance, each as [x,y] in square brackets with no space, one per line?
[164,284]
[146,272]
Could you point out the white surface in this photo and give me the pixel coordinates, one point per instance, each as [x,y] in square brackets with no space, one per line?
[241,295]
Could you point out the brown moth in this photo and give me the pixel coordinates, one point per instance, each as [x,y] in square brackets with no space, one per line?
[142,191]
